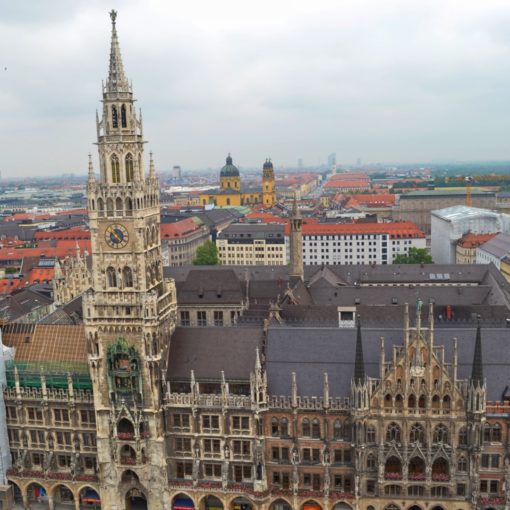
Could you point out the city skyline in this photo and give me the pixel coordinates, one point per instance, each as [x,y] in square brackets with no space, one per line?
[261,82]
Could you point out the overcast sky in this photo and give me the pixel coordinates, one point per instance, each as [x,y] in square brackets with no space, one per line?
[381,80]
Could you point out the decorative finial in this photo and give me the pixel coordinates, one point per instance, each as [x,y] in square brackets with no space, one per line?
[113,16]
[91,168]
[152,169]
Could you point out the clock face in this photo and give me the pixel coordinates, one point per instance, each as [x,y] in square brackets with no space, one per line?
[116,236]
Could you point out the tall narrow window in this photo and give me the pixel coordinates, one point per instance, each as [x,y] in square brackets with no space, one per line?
[129,168]
[127,276]
[123,116]
[115,169]
[111,277]
[115,118]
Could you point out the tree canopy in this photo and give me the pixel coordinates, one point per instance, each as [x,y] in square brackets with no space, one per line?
[207,255]
[414,256]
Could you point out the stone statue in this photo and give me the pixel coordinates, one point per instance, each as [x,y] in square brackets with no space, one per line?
[259,471]
[295,455]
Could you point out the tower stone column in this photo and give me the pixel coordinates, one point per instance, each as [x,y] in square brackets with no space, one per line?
[296,242]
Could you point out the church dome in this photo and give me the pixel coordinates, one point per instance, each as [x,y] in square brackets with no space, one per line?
[229,170]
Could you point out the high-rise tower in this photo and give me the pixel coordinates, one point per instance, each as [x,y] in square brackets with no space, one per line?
[129,312]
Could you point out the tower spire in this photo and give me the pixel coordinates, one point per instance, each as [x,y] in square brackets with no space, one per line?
[152,168]
[359,363]
[296,242]
[91,176]
[117,81]
[477,371]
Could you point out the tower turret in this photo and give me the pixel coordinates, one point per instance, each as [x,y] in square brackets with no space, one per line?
[296,242]
[268,184]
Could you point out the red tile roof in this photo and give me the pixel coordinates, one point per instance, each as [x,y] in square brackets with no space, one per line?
[377,200]
[349,176]
[8,285]
[471,240]
[69,233]
[48,252]
[348,184]
[179,228]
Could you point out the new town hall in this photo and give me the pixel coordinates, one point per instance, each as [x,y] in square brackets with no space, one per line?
[270,388]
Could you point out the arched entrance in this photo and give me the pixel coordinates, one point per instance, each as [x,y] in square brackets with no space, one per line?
[16,492]
[182,502]
[63,498]
[414,507]
[211,503]
[241,504]
[312,505]
[36,493]
[136,500]
[342,506]
[89,498]
[280,504]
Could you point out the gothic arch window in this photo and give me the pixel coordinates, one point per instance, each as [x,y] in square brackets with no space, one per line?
[316,429]
[115,117]
[118,206]
[440,470]
[100,205]
[393,432]
[305,427]
[371,463]
[435,402]
[127,277]
[416,469]
[388,401]
[109,206]
[371,436]
[422,402]
[111,277]
[462,464]
[393,468]
[463,437]
[441,434]
[417,434]
[129,206]
[275,426]
[154,235]
[411,401]
[337,430]
[284,427]
[129,167]
[446,403]
[123,116]
[399,402]
[125,429]
[115,169]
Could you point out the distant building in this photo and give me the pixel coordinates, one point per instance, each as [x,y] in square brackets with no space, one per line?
[252,244]
[494,250]
[180,241]
[448,225]
[417,206]
[176,173]
[231,193]
[359,243]
[465,250]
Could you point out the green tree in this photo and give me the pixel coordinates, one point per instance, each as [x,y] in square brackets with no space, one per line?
[414,256]
[207,255]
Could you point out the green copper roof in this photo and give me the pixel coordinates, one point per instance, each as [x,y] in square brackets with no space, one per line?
[229,170]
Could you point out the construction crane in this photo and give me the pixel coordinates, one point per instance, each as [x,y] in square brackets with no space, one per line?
[470,179]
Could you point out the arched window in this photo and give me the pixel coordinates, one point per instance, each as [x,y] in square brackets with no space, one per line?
[371,437]
[393,432]
[275,426]
[316,429]
[115,169]
[284,427]
[100,205]
[371,463]
[399,402]
[388,401]
[417,434]
[109,206]
[446,403]
[435,402]
[305,427]
[462,464]
[111,277]
[422,402]
[492,433]
[337,430]
[129,206]
[118,206]
[463,437]
[127,277]
[129,167]
[115,118]
[441,434]
[123,116]
[411,401]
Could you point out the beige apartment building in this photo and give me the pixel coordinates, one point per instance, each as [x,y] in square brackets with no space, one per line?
[245,244]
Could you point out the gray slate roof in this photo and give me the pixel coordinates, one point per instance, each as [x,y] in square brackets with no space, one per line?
[498,246]
[312,351]
[210,350]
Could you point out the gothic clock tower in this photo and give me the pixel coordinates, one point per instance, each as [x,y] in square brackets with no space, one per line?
[129,313]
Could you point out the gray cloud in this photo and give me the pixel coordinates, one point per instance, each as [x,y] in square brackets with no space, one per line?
[387,81]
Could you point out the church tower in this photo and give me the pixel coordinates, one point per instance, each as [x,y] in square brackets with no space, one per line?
[296,242]
[268,184]
[129,313]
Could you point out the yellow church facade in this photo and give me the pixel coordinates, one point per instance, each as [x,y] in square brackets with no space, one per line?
[231,193]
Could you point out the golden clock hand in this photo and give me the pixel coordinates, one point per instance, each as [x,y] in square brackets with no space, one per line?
[112,231]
